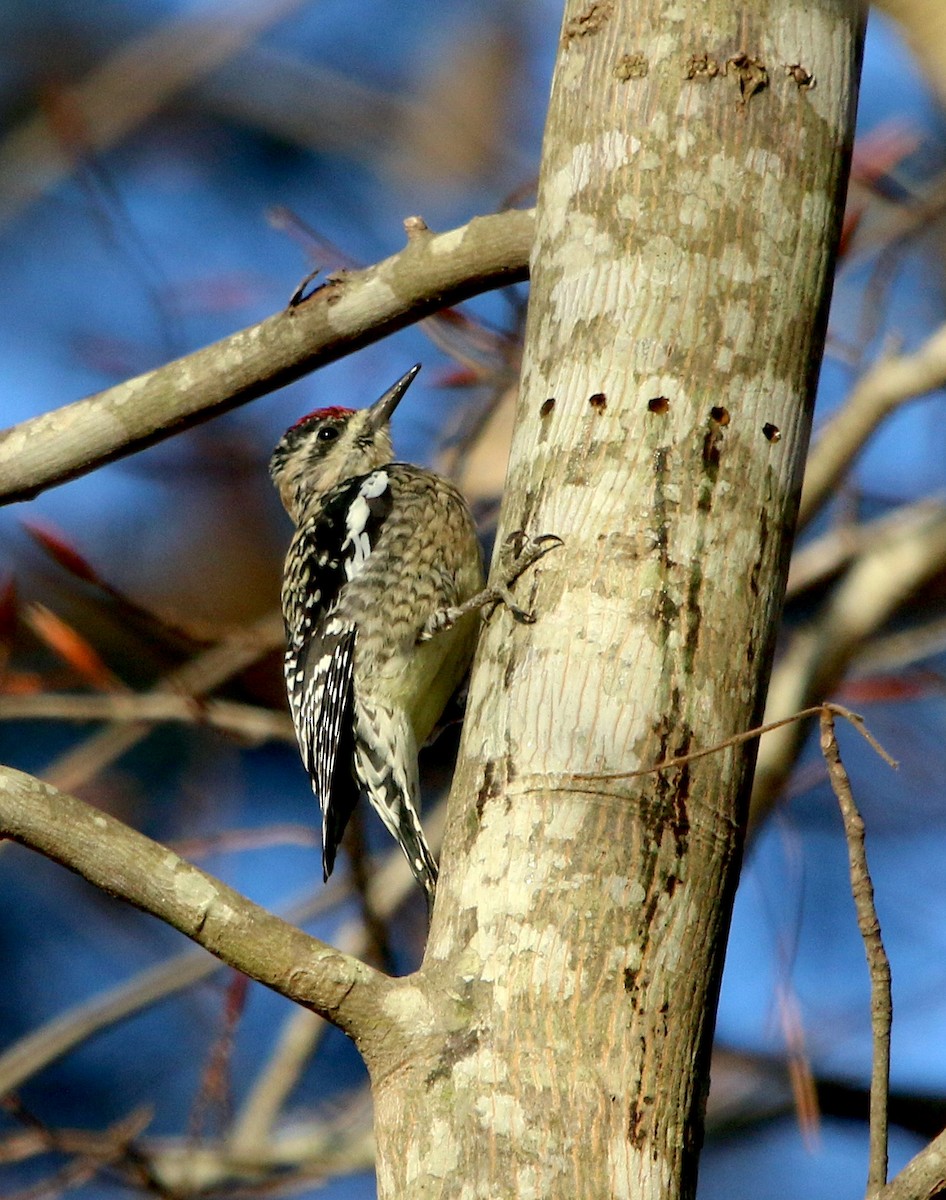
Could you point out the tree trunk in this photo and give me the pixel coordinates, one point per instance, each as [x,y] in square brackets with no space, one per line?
[556,1041]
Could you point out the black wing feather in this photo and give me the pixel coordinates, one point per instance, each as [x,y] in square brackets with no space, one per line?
[321,697]
[320,659]
[332,749]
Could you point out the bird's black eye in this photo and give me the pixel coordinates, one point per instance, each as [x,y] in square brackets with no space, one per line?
[328,433]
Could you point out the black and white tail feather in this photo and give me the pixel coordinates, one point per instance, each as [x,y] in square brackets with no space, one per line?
[386,768]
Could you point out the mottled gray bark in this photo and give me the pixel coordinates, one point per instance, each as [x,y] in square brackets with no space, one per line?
[556,1040]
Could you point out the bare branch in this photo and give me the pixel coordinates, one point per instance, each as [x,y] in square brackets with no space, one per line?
[246,720]
[881,1001]
[352,310]
[129,865]
[923,1177]
[824,558]
[889,383]
[88,1152]
[892,652]
[314,1150]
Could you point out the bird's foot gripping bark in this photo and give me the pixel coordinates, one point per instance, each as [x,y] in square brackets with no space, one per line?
[516,555]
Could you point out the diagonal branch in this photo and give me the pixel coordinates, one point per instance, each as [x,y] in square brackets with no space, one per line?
[924,1176]
[882,578]
[129,865]
[351,310]
[887,386]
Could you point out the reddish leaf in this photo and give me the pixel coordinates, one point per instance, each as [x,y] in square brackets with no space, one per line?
[877,689]
[58,549]
[8,611]
[72,648]
[237,990]
[62,552]
[453,316]
[213,1098]
[879,151]
[849,226]
[457,377]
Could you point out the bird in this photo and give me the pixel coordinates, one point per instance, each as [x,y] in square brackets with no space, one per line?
[379,549]
[382,596]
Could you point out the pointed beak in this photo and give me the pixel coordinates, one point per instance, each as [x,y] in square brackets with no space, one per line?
[380,412]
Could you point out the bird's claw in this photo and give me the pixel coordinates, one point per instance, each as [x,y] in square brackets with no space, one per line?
[517,554]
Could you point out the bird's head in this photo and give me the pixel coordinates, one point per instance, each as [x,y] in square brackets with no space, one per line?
[333,444]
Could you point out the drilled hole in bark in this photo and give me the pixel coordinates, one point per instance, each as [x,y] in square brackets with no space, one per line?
[720,415]
[547,406]
[599,401]
[772,432]
[658,404]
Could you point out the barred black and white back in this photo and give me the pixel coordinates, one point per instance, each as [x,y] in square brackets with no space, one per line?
[377,554]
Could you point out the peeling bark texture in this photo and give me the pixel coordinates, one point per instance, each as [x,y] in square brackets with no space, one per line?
[556,1041]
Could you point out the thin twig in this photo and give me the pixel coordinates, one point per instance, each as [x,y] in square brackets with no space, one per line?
[738,739]
[881,1001]
[876,585]
[861,886]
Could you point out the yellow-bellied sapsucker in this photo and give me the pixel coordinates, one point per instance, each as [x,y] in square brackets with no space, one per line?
[382,582]
[381,596]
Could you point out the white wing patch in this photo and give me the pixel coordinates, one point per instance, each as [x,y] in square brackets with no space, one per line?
[357,546]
